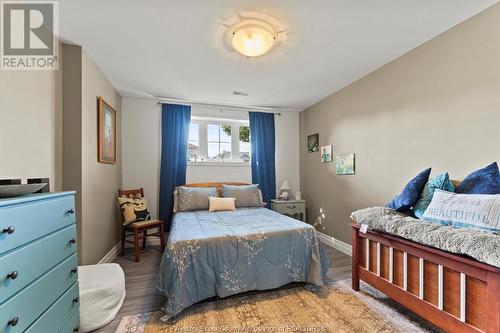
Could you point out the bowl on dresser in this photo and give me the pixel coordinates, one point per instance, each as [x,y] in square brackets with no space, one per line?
[17,190]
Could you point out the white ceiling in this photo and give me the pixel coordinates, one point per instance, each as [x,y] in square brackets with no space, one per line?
[176,48]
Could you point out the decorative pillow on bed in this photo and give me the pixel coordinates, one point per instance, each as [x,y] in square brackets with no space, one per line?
[245,195]
[176,202]
[194,198]
[482,181]
[410,194]
[221,204]
[133,209]
[478,211]
[441,182]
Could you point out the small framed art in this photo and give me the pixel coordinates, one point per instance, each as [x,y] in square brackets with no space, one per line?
[313,143]
[327,154]
[106,132]
[344,164]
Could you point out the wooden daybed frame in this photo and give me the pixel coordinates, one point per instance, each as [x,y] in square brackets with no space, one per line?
[455,293]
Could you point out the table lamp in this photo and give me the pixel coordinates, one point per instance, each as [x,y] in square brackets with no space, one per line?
[285,187]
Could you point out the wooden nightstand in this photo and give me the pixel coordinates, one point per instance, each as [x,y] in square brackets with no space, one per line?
[293,208]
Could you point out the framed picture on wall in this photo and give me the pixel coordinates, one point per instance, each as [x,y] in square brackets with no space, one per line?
[313,143]
[327,154]
[106,132]
[344,164]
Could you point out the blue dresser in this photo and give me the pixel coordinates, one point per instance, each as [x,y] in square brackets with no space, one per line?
[38,264]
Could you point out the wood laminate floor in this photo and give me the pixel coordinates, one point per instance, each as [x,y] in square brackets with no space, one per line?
[140,281]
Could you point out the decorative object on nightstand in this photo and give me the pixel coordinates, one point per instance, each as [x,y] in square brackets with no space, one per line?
[298,195]
[293,208]
[285,187]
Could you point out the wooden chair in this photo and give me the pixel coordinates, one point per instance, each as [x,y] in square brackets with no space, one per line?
[139,230]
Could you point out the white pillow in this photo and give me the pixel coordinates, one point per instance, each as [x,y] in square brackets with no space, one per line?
[479,211]
[218,204]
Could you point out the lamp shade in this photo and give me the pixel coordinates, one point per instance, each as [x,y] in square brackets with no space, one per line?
[285,185]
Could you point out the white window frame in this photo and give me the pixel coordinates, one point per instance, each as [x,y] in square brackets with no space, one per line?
[203,140]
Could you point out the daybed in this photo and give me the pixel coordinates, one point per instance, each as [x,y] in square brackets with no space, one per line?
[458,292]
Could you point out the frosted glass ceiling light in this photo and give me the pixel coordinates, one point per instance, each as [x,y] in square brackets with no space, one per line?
[253,37]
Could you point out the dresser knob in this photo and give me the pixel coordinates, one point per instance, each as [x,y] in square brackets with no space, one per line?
[71,211]
[13,275]
[72,241]
[75,300]
[13,322]
[74,271]
[76,329]
[9,230]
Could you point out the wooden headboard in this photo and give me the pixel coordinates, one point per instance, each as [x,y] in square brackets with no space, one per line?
[217,185]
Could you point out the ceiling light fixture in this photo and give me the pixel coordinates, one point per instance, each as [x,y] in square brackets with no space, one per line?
[253,37]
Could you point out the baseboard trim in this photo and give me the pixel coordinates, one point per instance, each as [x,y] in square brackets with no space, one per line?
[111,255]
[335,243]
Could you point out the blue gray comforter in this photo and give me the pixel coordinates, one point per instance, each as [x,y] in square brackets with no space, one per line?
[224,253]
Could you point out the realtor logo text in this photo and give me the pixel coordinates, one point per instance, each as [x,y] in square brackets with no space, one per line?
[29,35]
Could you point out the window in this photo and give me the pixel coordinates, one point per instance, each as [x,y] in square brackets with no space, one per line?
[244,142]
[194,142]
[219,142]
[213,140]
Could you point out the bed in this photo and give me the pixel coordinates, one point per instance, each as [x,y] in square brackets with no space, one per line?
[225,253]
[453,291]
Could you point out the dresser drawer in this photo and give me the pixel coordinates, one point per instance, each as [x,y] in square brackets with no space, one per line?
[73,326]
[290,209]
[31,261]
[32,301]
[34,219]
[56,317]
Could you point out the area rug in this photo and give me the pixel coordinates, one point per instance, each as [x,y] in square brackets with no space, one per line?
[332,308]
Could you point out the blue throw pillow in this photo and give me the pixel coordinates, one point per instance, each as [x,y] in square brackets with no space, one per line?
[482,181]
[441,182]
[406,199]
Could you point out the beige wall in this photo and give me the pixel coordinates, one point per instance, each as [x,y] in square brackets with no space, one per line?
[100,181]
[72,129]
[437,106]
[142,128]
[96,183]
[30,125]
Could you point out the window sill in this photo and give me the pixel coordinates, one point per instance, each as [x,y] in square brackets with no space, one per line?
[221,164]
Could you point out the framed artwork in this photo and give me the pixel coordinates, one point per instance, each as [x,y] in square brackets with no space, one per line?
[313,143]
[344,164]
[106,133]
[327,154]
